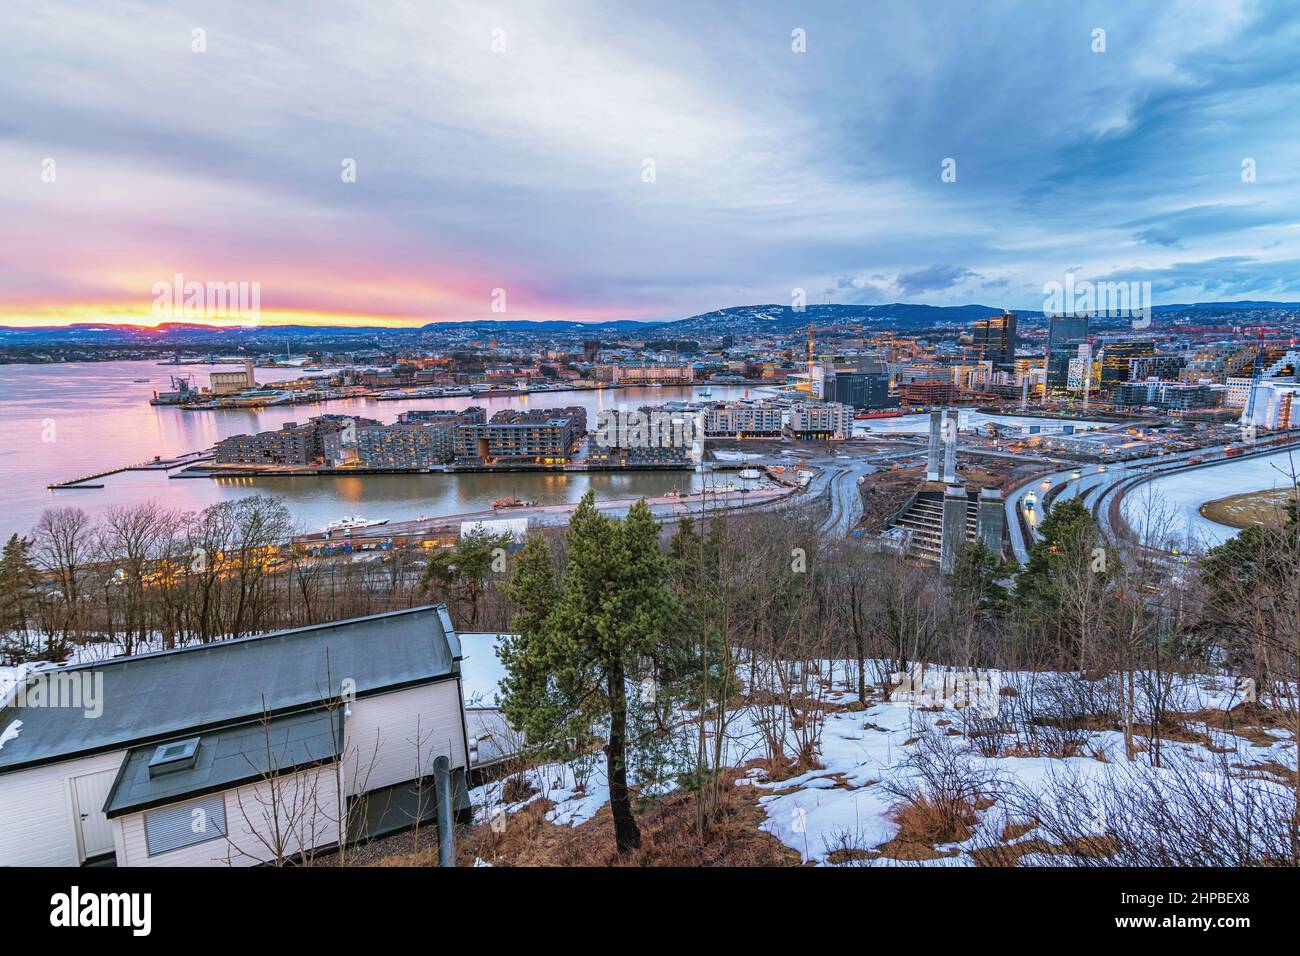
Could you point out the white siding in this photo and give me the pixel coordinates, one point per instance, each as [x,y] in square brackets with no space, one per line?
[38,825]
[307,807]
[37,821]
[380,737]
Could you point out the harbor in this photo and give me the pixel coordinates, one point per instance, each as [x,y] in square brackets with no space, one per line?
[102,420]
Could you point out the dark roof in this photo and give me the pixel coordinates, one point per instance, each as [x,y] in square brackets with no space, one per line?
[174,693]
[229,757]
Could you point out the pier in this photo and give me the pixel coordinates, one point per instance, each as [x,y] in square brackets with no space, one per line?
[158,463]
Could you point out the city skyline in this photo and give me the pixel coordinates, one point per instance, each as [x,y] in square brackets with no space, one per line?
[592,165]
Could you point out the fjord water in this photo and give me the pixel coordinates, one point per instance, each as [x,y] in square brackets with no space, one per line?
[63,421]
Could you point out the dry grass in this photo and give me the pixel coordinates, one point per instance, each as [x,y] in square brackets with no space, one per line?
[1249,721]
[1090,847]
[924,823]
[1252,507]
[669,837]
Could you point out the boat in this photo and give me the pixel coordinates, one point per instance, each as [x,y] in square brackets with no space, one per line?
[260,398]
[864,415]
[139,380]
[183,391]
[750,474]
[708,392]
[350,523]
[512,502]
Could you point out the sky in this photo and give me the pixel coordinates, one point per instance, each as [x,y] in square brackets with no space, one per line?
[400,163]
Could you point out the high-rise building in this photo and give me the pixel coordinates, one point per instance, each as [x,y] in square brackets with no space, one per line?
[1058,366]
[995,338]
[1165,367]
[1065,330]
[861,389]
[1115,358]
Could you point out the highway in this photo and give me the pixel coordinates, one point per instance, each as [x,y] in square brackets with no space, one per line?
[1101,490]
[845,497]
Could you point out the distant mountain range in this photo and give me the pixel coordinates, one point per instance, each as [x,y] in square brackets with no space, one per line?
[738,320]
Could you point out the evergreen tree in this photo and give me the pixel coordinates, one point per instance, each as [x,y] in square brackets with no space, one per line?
[1068,531]
[460,576]
[1250,591]
[544,684]
[19,579]
[975,582]
[571,665]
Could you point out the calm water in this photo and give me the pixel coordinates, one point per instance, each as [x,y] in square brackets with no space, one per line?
[59,422]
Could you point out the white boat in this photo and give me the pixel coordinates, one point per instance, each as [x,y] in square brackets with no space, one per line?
[750,474]
[352,523]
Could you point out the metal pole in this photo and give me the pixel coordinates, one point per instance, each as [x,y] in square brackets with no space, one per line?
[446,835]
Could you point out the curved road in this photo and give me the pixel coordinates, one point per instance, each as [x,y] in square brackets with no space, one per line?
[1099,486]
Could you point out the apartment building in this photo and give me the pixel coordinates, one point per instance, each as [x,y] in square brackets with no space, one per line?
[644,437]
[318,441]
[548,436]
[474,415]
[652,374]
[406,445]
[821,420]
[743,421]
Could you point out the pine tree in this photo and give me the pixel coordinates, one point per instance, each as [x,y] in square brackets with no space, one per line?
[18,581]
[568,669]
[1068,530]
[974,583]
[460,576]
[544,686]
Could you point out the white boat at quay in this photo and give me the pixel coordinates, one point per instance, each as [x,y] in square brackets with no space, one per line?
[351,523]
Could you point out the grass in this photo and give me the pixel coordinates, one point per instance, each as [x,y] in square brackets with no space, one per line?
[669,837]
[1250,508]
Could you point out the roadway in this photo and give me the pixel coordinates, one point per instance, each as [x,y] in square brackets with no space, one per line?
[1101,488]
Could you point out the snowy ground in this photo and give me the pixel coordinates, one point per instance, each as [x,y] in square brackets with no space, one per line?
[970,419]
[848,800]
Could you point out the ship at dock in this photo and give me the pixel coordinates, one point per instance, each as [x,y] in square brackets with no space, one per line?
[182,391]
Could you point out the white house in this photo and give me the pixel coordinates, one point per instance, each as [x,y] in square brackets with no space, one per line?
[234,753]
[491,738]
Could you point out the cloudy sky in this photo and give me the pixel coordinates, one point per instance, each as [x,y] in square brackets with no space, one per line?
[598,162]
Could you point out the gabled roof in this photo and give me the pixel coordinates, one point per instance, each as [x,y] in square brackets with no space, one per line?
[202,687]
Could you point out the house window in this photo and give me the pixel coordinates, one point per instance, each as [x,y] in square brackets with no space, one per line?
[185,824]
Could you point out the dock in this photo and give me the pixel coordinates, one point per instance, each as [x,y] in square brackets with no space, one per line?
[156,464]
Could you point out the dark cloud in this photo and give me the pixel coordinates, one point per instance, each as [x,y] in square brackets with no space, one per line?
[936,278]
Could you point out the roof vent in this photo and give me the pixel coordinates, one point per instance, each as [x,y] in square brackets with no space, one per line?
[178,755]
